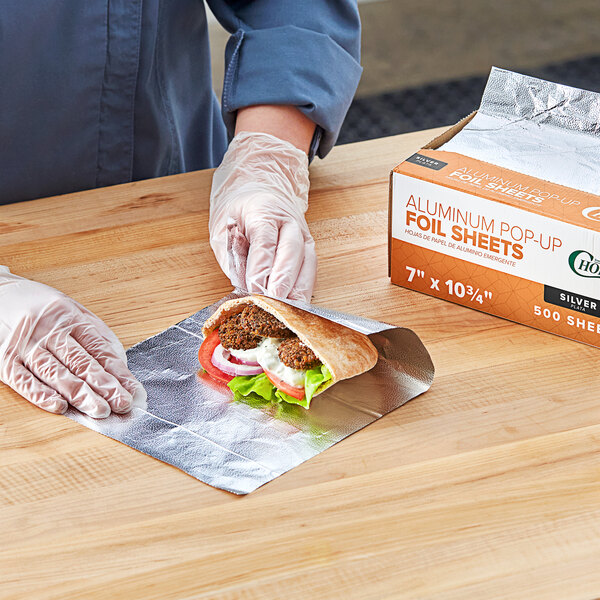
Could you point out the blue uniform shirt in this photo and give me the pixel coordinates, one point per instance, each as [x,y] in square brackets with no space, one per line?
[99,92]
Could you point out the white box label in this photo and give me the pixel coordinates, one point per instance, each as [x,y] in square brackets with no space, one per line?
[495,235]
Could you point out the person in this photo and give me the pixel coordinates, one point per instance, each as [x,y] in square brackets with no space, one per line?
[103,92]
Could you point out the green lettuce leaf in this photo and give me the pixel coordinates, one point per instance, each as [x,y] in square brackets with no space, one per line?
[314,379]
[262,387]
[244,385]
[290,399]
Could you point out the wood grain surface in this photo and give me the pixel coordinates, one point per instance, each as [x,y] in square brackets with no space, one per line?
[487,486]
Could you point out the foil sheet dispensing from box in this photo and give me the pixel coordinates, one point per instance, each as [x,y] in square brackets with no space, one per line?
[195,424]
[535,127]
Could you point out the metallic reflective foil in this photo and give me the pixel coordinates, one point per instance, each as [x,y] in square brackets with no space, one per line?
[536,127]
[193,423]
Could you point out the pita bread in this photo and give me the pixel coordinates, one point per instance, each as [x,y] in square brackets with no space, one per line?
[344,351]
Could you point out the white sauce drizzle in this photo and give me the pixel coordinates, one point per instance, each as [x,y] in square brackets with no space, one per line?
[266,355]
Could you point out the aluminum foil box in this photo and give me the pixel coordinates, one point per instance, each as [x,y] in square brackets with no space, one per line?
[470,222]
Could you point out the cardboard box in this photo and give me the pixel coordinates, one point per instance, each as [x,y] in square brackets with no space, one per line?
[496,240]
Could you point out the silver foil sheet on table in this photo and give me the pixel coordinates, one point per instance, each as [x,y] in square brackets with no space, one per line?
[195,424]
[536,127]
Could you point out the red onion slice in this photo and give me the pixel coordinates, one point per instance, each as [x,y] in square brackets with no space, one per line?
[243,361]
[220,360]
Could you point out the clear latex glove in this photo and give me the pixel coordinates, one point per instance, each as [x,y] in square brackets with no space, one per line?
[258,231]
[54,352]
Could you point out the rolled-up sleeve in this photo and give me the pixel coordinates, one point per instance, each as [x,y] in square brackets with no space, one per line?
[303,54]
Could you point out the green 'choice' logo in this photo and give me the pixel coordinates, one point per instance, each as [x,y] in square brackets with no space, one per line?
[584,264]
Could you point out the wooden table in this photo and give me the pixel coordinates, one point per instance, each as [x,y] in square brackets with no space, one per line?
[488,486]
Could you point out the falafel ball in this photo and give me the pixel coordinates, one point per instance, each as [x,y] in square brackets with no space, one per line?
[293,353]
[234,336]
[259,322]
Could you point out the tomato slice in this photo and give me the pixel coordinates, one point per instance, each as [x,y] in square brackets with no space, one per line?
[290,390]
[205,354]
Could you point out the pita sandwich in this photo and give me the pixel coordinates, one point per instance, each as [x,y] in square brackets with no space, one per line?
[325,351]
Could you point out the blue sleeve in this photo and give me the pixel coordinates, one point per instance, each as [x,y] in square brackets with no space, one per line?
[292,52]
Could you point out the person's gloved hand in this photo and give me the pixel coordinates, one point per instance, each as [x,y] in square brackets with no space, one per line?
[257,227]
[54,352]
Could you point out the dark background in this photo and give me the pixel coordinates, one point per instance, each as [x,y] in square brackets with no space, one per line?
[426,61]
